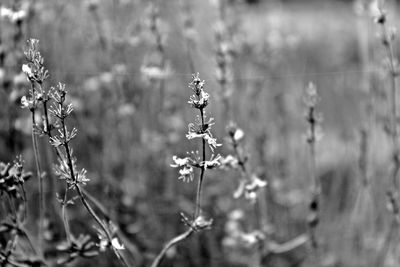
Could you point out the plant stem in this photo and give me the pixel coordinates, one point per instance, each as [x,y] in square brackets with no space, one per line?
[393,95]
[40,179]
[82,197]
[392,193]
[65,215]
[100,223]
[170,244]
[203,169]
[314,208]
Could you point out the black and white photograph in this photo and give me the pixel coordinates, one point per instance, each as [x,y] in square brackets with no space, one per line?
[199,133]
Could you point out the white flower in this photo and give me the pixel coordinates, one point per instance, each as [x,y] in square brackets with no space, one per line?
[103,244]
[256,183]
[186,171]
[213,162]
[18,16]
[191,135]
[179,162]
[229,162]
[253,187]
[186,174]
[238,135]
[115,243]
[26,103]
[252,238]
[6,12]
[154,72]
[12,15]
[249,189]
[27,70]
[212,142]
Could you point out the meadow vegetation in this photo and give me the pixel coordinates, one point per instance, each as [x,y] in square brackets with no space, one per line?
[199,133]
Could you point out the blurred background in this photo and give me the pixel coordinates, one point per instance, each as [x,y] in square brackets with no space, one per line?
[127,64]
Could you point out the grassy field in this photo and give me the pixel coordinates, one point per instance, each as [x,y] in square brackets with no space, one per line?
[299,169]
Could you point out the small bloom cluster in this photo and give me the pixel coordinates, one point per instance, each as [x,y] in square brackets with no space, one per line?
[187,165]
[66,168]
[200,98]
[236,237]
[250,188]
[104,241]
[249,184]
[36,75]
[14,16]
[34,70]
[201,128]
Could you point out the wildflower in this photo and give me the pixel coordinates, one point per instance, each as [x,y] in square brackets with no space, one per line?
[196,131]
[154,72]
[116,244]
[213,162]
[179,162]
[212,142]
[186,171]
[27,70]
[104,242]
[253,187]
[249,189]
[186,174]
[27,103]
[251,239]
[200,99]
[81,177]
[238,135]
[229,162]
[11,15]
[5,12]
